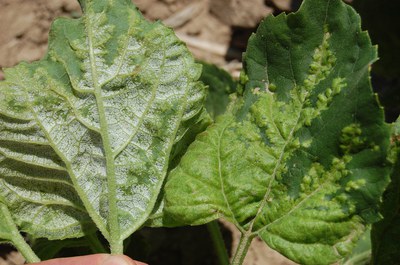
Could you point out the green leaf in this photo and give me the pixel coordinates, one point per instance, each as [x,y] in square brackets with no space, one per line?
[302,162]
[361,254]
[90,128]
[160,218]
[220,86]
[386,233]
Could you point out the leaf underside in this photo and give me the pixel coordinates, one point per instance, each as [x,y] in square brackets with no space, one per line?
[87,132]
[301,162]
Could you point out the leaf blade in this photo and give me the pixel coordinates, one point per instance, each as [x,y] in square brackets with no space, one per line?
[108,99]
[304,156]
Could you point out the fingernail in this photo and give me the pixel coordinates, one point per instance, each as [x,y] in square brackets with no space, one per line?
[115,260]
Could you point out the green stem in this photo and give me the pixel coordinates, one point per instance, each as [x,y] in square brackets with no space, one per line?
[23,247]
[218,242]
[16,238]
[242,249]
[95,245]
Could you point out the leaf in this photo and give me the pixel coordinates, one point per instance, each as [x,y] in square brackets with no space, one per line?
[33,182]
[386,233]
[90,128]
[220,86]
[221,89]
[302,162]
[160,218]
[361,254]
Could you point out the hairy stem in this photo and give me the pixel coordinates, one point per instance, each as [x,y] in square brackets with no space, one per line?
[218,242]
[23,247]
[17,240]
[242,249]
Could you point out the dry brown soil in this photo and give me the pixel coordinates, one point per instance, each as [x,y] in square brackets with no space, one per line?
[215,30]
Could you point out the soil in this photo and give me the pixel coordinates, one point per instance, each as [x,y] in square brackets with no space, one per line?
[215,31]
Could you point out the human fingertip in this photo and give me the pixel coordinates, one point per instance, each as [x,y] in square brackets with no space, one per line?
[120,260]
[140,263]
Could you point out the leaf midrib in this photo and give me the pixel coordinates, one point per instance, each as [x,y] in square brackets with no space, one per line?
[277,165]
[303,101]
[163,173]
[221,179]
[112,218]
[294,208]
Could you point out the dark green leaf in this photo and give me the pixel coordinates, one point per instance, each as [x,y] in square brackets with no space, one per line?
[220,86]
[302,163]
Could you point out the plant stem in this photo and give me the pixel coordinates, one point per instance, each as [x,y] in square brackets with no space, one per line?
[218,242]
[242,249]
[95,245]
[16,238]
[23,247]
[116,247]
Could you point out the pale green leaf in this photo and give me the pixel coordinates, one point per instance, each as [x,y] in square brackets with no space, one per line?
[220,88]
[160,218]
[302,162]
[90,128]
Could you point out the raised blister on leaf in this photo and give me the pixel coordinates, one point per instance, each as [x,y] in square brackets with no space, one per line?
[301,165]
